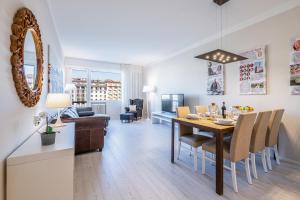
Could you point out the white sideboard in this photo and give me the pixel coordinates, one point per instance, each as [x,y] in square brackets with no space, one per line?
[162,117]
[36,172]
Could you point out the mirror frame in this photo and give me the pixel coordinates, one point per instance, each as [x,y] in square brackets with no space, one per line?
[24,21]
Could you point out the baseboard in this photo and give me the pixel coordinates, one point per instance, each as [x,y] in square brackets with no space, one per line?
[289,161]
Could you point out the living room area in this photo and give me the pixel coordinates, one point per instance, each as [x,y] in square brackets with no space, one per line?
[119,100]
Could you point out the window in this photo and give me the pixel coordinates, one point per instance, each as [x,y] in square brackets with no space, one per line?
[105,86]
[95,86]
[80,80]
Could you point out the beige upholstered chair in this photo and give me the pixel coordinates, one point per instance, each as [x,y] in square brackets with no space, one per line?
[258,139]
[187,136]
[235,150]
[272,135]
[201,109]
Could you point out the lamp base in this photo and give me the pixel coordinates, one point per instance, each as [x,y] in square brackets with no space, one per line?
[58,122]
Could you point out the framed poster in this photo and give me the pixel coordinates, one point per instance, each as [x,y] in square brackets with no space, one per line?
[295,66]
[253,74]
[215,80]
[55,74]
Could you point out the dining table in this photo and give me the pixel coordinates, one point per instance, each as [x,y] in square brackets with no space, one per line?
[209,125]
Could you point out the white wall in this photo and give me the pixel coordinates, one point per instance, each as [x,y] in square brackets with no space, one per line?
[185,74]
[16,120]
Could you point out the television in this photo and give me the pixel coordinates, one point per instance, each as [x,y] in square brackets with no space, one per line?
[169,102]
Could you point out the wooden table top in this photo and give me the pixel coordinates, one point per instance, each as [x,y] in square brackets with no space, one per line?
[205,124]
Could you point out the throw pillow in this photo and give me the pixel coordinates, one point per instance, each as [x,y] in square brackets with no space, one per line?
[132,108]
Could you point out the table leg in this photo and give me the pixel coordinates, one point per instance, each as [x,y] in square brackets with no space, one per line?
[172,141]
[219,164]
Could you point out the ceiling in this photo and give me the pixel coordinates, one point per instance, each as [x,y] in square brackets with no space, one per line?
[144,31]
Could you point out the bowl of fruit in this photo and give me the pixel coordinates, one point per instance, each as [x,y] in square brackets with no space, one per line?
[246,109]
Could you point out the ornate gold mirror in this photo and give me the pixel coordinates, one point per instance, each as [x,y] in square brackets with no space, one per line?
[27,57]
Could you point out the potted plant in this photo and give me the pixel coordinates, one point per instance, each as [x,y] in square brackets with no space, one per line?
[48,137]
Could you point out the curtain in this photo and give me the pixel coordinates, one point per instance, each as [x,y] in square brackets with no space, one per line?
[132,83]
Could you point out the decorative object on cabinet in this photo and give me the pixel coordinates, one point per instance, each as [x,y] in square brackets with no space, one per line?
[48,137]
[253,73]
[27,57]
[58,100]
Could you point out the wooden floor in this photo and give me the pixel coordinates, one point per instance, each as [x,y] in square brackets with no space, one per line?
[135,164]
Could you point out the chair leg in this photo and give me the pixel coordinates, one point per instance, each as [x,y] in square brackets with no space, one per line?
[276,154]
[233,176]
[179,147]
[263,159]
[247,168]
[269,158]
[203,161]
[195,159]
[253,164]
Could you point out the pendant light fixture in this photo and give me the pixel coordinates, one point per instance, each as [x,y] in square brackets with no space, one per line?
[219,55]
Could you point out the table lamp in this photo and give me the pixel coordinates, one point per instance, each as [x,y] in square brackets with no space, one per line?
[58,100]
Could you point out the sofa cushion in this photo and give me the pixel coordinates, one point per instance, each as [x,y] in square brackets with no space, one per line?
[70,113]
[132,108]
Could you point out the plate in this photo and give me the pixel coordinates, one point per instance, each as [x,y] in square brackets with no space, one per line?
[192,116]
[224,124]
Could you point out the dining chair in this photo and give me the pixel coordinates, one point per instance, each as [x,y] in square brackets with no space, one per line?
[201,109]
[272,136]
[235,150]
[187,136]
[258,140]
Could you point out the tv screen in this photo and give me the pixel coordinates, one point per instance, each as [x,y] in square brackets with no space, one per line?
[169,102]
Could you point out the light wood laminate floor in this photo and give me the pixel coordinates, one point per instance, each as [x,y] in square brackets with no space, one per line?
[135,164]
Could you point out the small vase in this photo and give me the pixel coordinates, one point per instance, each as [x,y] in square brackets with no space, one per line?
[48,139]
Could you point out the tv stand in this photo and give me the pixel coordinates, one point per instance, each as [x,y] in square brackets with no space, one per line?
[162,117]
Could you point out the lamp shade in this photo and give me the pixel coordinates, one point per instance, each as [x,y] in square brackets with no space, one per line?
[58,100]
[148,88]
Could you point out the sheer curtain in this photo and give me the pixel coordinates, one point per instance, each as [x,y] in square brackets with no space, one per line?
[132,83]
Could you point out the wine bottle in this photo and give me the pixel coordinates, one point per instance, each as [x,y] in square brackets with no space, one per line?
[224,110]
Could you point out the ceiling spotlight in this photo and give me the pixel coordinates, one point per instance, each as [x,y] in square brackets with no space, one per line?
[235,58]
[207,57]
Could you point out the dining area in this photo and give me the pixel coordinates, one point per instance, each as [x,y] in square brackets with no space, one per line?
[226,137]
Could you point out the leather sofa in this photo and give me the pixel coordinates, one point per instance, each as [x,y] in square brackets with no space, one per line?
[89,129]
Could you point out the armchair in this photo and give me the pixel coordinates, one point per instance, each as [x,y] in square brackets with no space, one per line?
[139,108]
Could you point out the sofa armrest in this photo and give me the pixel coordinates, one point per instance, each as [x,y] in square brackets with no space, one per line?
[127,109]
[89,121]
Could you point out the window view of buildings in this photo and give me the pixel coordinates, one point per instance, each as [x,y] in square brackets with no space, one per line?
[103,86]
[102,90]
